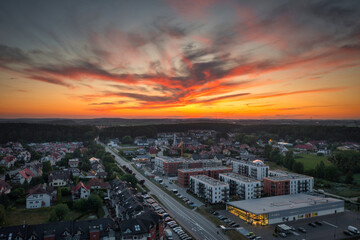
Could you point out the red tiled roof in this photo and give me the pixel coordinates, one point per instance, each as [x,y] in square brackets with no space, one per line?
[78,186]
[26,173]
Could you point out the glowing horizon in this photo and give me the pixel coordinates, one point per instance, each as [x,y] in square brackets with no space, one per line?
[180,59]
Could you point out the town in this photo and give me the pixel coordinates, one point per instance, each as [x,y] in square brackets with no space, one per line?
[197,184]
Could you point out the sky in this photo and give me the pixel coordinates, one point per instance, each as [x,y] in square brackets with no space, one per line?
[180,59]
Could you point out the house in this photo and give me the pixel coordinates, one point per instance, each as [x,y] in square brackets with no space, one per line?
[23,175]
[8,161]
[40,196]
[148,225]
[93,160]
[96,183]
[80,191]
[36,168]
[73,163]
[96,229]
[4,187]
[98,167]
[59,178]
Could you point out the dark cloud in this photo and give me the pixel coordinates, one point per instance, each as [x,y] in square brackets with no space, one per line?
[12,55]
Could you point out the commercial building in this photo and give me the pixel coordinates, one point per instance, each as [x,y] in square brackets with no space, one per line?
[253,169]
[209,189]
[185,174]
[244,187]
[273,210]
[283,183]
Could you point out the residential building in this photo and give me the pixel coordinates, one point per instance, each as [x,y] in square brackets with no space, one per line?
[98,229]
[168,166]
[209,189]
[283,183]
[253,169]
[273,210]
[185,174]
[73,163]
[244,187]
[80,191]
[97,183]
[59,178]
[23,176]
[40,196]
[148,226]
[5,188]
[8,161]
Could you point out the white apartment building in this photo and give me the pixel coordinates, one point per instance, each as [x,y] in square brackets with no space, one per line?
[210,189]
[244,187]
[253,169]
[298,183]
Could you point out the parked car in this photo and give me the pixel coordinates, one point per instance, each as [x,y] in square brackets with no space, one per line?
[283,235]
[318,223]
[312,224]
[236,225]
[302,229]
[346,232]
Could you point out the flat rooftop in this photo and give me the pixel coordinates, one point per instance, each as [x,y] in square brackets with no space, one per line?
[281,203]
[239,177]
[257,163]
[209,180]
[205,169]
[283,175]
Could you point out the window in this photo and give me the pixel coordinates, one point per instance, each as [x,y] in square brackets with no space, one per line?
[137,227]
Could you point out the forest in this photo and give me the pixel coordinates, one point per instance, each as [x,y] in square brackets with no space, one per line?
[25,132]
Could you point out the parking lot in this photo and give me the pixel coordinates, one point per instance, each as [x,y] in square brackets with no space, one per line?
[332,226]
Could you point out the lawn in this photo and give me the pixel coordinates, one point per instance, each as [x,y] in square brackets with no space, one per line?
[29,216]
[311,160]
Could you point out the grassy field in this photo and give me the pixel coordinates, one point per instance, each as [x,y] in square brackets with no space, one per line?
[29,216]
[310,160]
[41,215]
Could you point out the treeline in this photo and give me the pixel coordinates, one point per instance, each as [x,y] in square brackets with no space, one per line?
[24,132]
[46,132]
[287,132]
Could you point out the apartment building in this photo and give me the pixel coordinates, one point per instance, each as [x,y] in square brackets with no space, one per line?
[244,187]
[253,169]
[283,183]
[185,174]
[209,189]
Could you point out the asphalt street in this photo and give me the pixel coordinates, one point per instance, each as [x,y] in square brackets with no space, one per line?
[196,224]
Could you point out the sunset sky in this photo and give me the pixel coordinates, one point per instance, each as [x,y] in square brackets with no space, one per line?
[180,59]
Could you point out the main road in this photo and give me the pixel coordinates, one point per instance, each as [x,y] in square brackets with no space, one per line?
[196,224]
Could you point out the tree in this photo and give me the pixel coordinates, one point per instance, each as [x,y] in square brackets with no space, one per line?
[298,167]
[59,212]
[46,167]
[80,205]
[130,179]
[94,203]
[320,170]
[289,160]
[332,173]
[275,156]
[267,151]
[349,177]
[2,215]
[127,140]
[59,195]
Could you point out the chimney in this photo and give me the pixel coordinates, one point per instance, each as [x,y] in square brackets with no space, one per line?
[94,232]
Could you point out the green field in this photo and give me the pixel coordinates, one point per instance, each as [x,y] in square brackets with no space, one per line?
[310,160]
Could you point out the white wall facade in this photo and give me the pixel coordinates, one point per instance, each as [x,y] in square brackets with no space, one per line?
[38,200]
[211,193]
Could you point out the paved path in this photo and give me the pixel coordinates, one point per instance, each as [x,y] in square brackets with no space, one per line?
[196,224]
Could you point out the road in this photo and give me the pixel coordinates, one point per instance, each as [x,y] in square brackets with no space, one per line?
[196,224]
